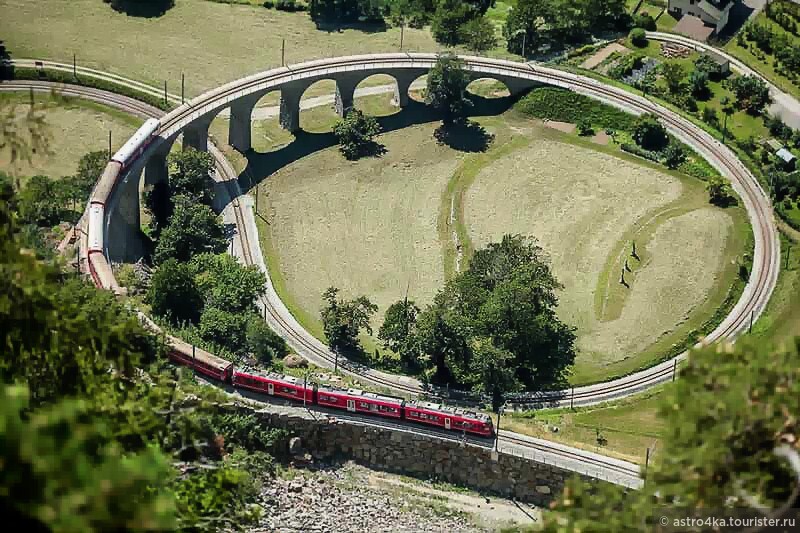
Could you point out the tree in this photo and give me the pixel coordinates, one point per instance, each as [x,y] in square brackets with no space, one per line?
[227,284]
[478,34]
[638,37]
[645,21]
[446,88]
[585,128]
[173,293]
[264,343]
[705,63]
[356,134]
[720,192]
[673,74]
[752,93]
[38,202]
[494,369]
[710,116]
[526,24]
[398,331]
[447,21]
[698,81]
[193,229]
[674,155]
[90,167]
[649,133]
[342,320]
[731,436]
[223,328]
[189,172]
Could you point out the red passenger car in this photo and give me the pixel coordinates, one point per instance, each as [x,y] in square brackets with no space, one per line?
[274,385]
[451,418]
[357,401]
[203,362]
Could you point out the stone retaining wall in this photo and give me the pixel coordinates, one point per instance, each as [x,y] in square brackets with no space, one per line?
[424,456]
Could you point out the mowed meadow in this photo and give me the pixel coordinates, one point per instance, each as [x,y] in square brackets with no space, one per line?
[384,226]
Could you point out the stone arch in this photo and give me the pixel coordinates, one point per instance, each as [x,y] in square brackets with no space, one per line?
[380,91]
[487,87]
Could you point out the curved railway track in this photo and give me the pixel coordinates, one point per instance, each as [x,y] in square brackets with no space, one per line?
[580,461]
[750,305]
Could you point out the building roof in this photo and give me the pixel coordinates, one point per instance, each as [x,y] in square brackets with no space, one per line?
[710,9]
[718,59]
[694,28]
[774,144]
[786,155]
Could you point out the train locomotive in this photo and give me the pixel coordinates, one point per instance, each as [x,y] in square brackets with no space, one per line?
[217,368]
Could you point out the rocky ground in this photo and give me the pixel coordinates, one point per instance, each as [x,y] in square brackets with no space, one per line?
[351,498]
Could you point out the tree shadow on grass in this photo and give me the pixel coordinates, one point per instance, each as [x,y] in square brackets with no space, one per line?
[464,136]
[369,149]
[6,67]
[339,26]
[144,9]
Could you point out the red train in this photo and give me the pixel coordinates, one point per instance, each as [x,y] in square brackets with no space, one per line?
[356,401]
[352,400]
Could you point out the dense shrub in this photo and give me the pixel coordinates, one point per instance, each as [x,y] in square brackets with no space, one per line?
[559,104]
[645,21]
[638,37]
[641,152]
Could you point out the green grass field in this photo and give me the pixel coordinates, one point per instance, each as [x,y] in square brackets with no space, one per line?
[210,43]
[357,215]
[629,426]
[74,127]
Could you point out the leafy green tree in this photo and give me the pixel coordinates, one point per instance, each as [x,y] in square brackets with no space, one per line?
[193,229]
[649,133]
[731,431]
[90,168]
[673,75]
[61,473]
[173,293]
[478,34]
[450,16]
[710,116]
[720,192]
[674,155]
[698,81]
[398,331]
[356,134]
[189,172]
[342,320]
[526,24]
[645,21]
[585,128]
[494,369]
[705,63]
[264,343]
[223,328]
[638,37]
[38,202]
[227,284]
[752,93]
[447,87]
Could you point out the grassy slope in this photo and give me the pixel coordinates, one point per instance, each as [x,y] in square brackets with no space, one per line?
[211,43]
[75,127]
[629,426]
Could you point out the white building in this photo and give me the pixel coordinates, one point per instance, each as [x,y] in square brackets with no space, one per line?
[713,13]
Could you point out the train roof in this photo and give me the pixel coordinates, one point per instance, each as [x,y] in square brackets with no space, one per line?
[273,376]
[448,409]
[147,129]
[361,393]
[201,355]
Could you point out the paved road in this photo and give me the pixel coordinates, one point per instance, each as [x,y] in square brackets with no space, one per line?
[784,106]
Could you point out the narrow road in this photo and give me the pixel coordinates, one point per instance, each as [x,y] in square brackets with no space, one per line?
[784,105]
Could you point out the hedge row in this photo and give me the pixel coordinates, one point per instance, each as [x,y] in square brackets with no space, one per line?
[551,103]
[58,76]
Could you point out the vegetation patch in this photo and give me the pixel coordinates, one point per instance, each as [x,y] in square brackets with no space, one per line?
[551,103]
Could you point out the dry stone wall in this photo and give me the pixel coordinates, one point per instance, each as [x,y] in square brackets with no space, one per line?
[422,456]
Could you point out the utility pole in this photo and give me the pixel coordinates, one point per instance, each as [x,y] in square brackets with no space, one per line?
[165,92]
[402,28]
[109,145]
[646,463]
[336,360]
[283,52]
[497,436]
[183,87]
[74,66]
[524,36]
[572,398]
[305,386]
[674,369]
[788,248]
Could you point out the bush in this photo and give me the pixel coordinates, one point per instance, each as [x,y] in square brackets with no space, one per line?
[641,152]
[585,128]
[720,192]
[638,37]
[551,103]
[645,21]
[710,116]
[674,156]
[264,343]
[649,133]
[356,134]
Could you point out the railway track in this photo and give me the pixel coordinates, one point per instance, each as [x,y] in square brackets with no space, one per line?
[765,266]
[755,297]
